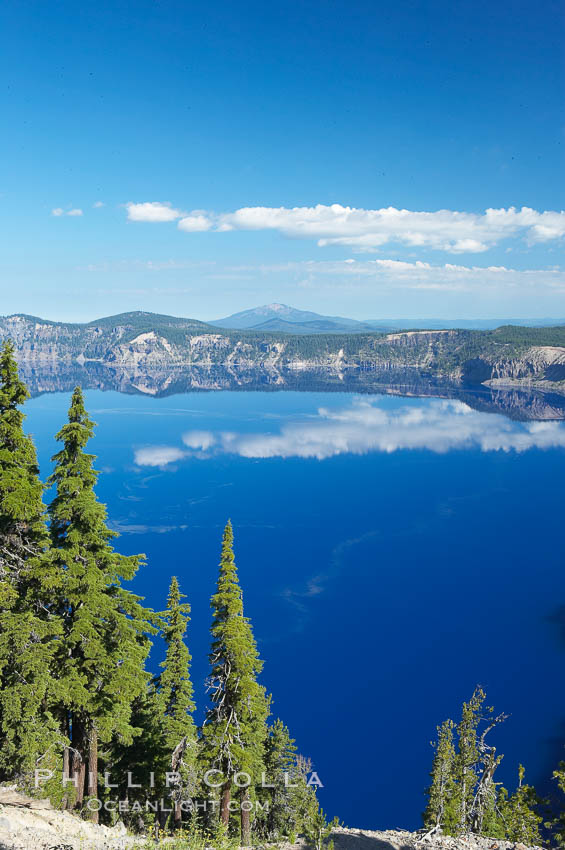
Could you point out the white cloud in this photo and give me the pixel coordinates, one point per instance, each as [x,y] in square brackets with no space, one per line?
[195,223]
[468,246]
[394,265]
[382,274]
[98,204]
[367,276]
[147,265]
[59,211]
[447,230]
[158,455]
[152,211]
[368,230]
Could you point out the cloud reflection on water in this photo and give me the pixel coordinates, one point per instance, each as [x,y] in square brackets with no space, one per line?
[435,425]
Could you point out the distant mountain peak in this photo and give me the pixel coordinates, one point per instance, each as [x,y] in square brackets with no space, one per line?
[274,309]
[282,317]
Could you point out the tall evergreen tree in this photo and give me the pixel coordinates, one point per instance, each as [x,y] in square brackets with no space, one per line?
[467,757]
[138,759]
[167,742]
[100,660]
[520,814]
[176,696]
[463,796]
[27,622]
[441,811]
[280,771]
[293,805]
[235,728]
[22,513]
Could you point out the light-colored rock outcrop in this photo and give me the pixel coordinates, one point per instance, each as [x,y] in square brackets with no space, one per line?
[30,823]
[22,828]
[34,825]
[392,839]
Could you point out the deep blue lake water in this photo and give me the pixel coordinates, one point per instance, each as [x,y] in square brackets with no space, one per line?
[393,553]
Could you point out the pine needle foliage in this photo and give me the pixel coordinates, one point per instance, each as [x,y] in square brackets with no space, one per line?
[467,758]
[441,810]
[282,817]
[235,727]
[292,804]
[520,813]
[557,822]
[144,755]
[175,698]
[100,659]
[463,796]
[176,692]
[27,621]
[22,512]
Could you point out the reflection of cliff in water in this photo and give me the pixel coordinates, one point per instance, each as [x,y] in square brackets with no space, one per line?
[515,403]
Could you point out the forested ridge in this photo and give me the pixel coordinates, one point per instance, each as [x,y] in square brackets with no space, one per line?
[101,339]
[84,722]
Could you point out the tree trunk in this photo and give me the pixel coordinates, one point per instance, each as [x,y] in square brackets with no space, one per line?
[177,815]
[66,775]
[77,775]
[463,813]
[93,769]
[486,788]
[245,819]
[66,762]
[78,762]
[225,804]
[271,812]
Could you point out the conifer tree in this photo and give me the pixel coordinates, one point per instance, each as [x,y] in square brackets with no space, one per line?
[176,696]
[463,796]
[100,660]
[138,759]
[557,823]
[235,729]
[484,815]
[441,811]
[22,513]
[317,827]
[467,757]
[520,814]
[280,770]
[293,805]
[27,622]
[167,742]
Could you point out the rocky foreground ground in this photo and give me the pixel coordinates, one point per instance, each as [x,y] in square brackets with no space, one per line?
[36,826]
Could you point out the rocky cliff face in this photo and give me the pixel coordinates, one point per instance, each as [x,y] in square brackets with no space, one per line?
[146,342]
[540,362]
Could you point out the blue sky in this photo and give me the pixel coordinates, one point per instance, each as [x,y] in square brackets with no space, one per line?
[280,141]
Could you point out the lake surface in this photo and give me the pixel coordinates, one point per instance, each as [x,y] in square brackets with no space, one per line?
[394,552]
